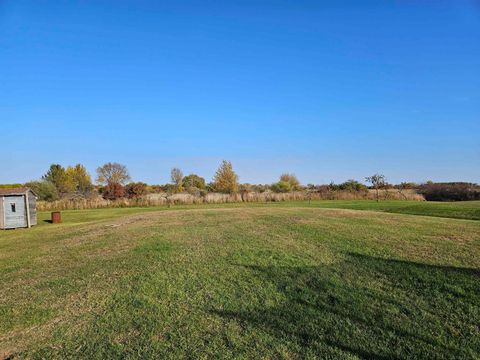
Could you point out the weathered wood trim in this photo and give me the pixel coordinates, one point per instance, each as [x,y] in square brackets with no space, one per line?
[3,213]
[28,209]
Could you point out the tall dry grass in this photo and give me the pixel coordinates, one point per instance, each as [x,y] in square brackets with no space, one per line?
[164,199]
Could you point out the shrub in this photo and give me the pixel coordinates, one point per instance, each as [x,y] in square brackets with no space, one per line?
[281,187]
[245,188]
[194,181]
[260,188]
[113,192]
[406,185]
[292,180]
[157,188]
[44,189]
[169,188]
[135,190]
[352,185]
[456,191]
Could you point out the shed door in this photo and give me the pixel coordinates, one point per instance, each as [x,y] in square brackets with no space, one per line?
[15,214]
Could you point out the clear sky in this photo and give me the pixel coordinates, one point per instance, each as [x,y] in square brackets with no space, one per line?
[327,90]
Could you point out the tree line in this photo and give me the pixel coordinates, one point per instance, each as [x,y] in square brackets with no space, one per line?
[113,181]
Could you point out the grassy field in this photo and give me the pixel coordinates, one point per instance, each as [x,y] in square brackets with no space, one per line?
[457,210]
[282,280]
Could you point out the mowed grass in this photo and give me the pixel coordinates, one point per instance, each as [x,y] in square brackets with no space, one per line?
[287,280]
[457,210]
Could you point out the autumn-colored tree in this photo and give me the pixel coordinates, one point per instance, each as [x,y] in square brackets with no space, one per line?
[194,181]
[57,175]
[225,180]
[113,191]
[80,178]
[112,173]
[287,183]
[281,187]
[292,180]
[135,190]
[176,175]
[113,176]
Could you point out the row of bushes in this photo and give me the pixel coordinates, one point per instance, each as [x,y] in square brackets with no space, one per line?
[458,191]
[165,199]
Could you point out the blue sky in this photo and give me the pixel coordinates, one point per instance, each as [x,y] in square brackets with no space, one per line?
[327,90]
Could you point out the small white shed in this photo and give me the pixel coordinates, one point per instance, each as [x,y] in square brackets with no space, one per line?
[18,208]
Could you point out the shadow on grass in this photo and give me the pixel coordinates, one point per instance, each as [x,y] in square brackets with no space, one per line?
[371,308]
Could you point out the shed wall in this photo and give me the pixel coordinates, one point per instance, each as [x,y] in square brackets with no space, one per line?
[32,201]
[15,211]
[1,213]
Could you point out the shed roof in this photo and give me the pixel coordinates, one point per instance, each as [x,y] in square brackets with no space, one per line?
[15,191]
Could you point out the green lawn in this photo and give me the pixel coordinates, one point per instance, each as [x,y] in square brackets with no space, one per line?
[458,210]
[283,280]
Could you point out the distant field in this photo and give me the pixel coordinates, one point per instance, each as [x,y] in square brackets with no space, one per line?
[281,280]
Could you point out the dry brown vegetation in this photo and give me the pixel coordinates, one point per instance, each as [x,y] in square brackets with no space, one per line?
[160,199]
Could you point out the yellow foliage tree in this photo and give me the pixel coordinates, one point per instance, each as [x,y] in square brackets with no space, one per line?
[291,180]
[225,180]
[79,179]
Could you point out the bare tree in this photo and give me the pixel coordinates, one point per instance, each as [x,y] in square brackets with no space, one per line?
[112,174]
[176,176]
[377,181]
[401,188]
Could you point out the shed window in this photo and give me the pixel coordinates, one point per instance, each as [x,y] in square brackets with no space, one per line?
[13,207]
